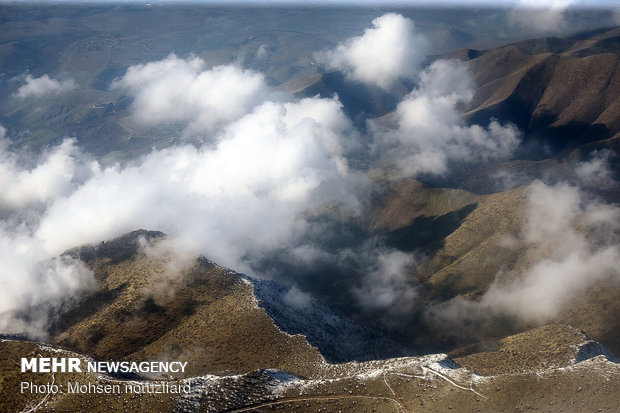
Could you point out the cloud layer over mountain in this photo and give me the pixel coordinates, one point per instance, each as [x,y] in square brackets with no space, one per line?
[241,198]
[270,163]
[570,241]
[574,243]
[430,133]
[243,195]
[34,281]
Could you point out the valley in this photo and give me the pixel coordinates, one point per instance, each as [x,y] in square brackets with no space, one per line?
[356,209]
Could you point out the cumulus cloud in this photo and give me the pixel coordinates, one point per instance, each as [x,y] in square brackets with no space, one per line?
[270,165]
[572,242]
[232,201]
[578,239]
[245,194]
[34,281]
[54,174]
[596,172]
[383,54]
[298,299]
[546,16]
[387,282]
[185,92]
[34,286]
[43,86]
[430,132]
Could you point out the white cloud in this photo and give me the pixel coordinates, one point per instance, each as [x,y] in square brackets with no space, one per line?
[540,16]
[240,198]
[237,200]
[33,281]
[183,91]
[595,172]
[54,174]
[33,284]
[267,168]
[383,54]
[578,238]
[572,242]
[387,283]
[298,299]
[44,85]
[430,132]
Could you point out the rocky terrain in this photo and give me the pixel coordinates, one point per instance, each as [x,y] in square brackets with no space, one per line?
[239,360]
[495,318]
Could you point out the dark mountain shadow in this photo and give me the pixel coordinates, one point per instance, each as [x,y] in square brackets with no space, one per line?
[338,337]
[427,234]
[360,102]
[87,306]
[571,136]
[116,250]
[609,45]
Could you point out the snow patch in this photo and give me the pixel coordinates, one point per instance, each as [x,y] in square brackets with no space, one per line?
[591,349]
[337,337]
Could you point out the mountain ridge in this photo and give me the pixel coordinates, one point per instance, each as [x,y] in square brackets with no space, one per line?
[577,371]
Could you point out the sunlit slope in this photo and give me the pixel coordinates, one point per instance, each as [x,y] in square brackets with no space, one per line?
[462,232]
[566,90]
[466,242]
[13,400]
[144,308]
[473,254]
[554,368]
[549,346]
[597,311]
[562,90]
[408,199]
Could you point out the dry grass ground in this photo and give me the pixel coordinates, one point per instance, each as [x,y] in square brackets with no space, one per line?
[203,314]
[535,370]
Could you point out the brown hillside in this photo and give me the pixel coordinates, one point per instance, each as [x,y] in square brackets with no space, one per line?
[566,88]
[203,314]
[466,242]
[552,368]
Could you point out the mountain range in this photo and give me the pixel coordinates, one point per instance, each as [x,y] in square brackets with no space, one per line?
[252,344]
